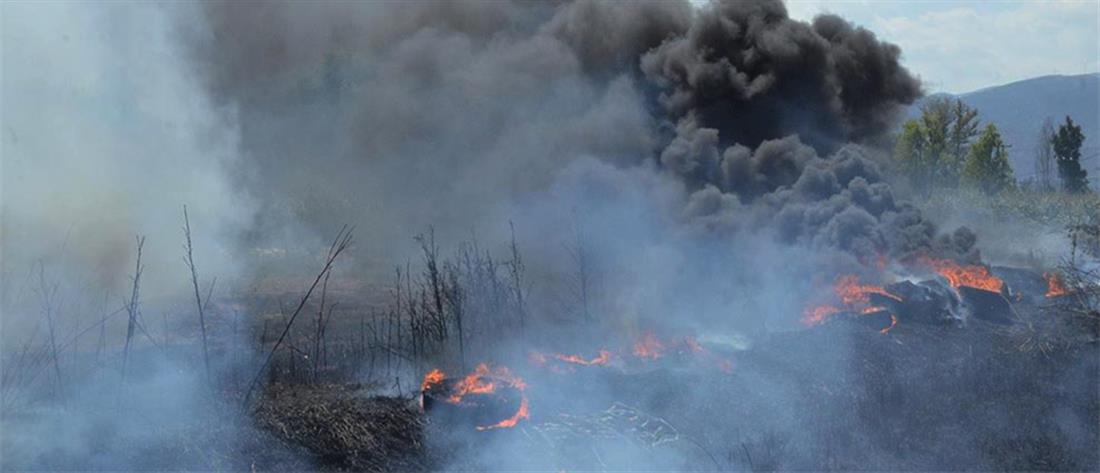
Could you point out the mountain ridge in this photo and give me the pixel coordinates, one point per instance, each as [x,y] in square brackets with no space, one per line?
[1019,109]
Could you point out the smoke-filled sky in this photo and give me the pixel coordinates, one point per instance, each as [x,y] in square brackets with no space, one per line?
[675,132]
[277,122]
[710,160]
[961,46]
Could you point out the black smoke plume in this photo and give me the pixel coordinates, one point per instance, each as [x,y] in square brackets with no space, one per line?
[708,161]
[754,74]
[454,112]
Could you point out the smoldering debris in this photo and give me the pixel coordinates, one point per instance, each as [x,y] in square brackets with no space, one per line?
[786,406]
[678,182]
[957,295]
[931,302]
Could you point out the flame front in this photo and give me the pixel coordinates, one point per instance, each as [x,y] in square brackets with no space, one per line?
[1055,286]
[433,378]
[893,322]
[646,348]
[851,292]
[818,314]
[544,360]
[522,413]
[965,275]
[484,380]
[854,297]
[649,347]
[602,359]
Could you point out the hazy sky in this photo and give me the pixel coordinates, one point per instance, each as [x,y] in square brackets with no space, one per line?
[960,46]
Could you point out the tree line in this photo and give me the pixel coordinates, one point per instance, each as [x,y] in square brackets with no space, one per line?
[947,147]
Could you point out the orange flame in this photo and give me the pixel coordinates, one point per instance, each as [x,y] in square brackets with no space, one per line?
[965,275]
[649,347]
[433,377]
[851,292]
[522,413]
[543,360]
[854,296]
[484,380]
[1055,286]
[646,348]
[893,322]
[602,359]
[817,315]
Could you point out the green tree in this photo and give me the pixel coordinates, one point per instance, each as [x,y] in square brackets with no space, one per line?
[931,150]
[963,128]
[935,120]
[1044,156]
[986,166]
[912,154]
[1067,152]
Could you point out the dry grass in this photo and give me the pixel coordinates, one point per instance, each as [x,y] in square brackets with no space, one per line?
[345,426]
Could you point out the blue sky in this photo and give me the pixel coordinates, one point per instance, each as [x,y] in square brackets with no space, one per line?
[960,46]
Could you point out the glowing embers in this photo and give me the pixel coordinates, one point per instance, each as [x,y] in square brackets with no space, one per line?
[893,323]
[645,349]
[817,314]
[482,395]
[1055,286]
[959,275]
[561,363]
[648,347]
[602,359]
[851,297]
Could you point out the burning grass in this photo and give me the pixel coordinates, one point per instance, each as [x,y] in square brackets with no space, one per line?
[483,383]
[904,388]
[929,397]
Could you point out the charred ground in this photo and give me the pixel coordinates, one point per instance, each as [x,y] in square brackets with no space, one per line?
[670,236]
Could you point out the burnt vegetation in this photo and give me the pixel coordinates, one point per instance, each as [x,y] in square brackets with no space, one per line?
[723,267]
[310,380]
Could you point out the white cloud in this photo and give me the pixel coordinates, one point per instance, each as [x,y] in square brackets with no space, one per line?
[962,46]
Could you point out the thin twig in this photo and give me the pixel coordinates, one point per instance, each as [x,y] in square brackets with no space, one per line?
[48,294]
[132,307]
[189,259]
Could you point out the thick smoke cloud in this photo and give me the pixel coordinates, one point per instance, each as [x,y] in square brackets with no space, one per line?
[748,70]
[453,114]
[714,159]
[106,135]
[609,37]
[292,119]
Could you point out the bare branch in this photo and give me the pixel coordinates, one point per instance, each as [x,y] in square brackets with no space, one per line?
[339,244]
[132,307]
[189,259]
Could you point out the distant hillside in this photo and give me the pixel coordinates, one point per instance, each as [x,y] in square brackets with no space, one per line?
[1019,108]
